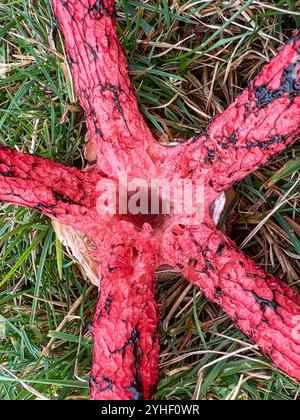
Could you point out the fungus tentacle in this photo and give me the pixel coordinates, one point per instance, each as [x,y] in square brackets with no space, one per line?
[125,326]
[262,122]
[118,132]
[61,193]
[263,308]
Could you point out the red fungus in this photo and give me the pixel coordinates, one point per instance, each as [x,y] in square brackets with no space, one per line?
[263,121]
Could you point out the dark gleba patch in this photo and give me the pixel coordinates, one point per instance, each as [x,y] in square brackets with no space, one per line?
[289,85]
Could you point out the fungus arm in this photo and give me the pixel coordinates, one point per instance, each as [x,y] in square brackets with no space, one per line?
[263,121]
[61,193]
[125,327]
[119,134]
[263,308]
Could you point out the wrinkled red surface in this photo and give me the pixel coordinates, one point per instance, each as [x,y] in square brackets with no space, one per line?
[125,325]
[262,307]
[116,127]
[62,193]
[263,120]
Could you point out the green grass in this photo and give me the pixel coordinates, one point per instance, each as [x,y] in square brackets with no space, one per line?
[187,63]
